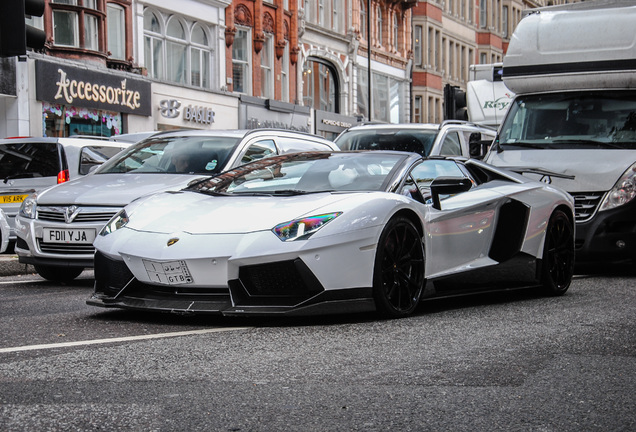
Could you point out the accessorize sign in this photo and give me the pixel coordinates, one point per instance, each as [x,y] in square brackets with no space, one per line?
[59,83]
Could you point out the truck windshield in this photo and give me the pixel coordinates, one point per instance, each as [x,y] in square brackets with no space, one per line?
[581,119]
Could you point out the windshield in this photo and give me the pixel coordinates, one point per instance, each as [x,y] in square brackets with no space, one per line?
[585,119]
[416,141]
[176,155]
[306,173]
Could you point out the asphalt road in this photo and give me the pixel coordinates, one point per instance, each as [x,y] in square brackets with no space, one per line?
[498,362]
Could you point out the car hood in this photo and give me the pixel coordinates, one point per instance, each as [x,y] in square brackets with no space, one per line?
[112,189]
[592,170]
[196,213]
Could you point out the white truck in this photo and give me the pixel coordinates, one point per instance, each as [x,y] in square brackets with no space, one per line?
[487,97]
[573,119]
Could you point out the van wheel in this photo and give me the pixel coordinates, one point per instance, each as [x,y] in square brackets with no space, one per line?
[58,274]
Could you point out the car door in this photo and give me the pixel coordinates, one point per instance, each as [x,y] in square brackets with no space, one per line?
[459,234]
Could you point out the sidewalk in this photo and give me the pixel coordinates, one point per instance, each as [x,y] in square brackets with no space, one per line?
[9,266]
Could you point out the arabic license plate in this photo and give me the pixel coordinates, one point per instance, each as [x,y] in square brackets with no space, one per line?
[168,273]
[12,199]
[68,236]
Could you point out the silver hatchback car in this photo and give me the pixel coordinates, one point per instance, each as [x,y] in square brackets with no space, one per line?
[56,227]
[28,165]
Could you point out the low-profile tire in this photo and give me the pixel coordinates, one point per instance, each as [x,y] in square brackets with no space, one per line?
[58,274]
[398,274]
[558,255]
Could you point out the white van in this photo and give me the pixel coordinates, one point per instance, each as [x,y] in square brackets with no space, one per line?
[573,69]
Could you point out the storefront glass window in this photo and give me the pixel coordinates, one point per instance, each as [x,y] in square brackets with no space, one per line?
[63,121]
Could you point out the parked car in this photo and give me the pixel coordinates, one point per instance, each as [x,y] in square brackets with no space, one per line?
[335,232]
[28,165]
[56,227]
[450,138]
[4,232]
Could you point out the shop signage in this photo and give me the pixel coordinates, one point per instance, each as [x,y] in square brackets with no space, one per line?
[68,85]
[170,108]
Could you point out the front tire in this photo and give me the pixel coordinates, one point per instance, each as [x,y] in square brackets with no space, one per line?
[558,254]
[58,274]
[398,274]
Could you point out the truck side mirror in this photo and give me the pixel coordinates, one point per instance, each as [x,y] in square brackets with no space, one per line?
[448,186]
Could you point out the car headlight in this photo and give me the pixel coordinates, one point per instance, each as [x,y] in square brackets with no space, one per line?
[623,191]
[118,221]
[302,229]
[29,207]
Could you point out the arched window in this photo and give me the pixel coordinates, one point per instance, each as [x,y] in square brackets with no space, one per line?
[153,45]
[176,51]
[320,85]
[185,46]
[200,57]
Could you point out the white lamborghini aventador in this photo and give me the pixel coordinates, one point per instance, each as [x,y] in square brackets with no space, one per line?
[337,232]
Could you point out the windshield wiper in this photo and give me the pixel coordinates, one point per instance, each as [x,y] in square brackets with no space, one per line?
[521,144]
[604,144]
[17,176]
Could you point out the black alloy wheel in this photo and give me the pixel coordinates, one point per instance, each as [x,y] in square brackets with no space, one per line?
[398,276]
[558,254]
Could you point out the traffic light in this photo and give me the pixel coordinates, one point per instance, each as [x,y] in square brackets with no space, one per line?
[454,103]
[15,34]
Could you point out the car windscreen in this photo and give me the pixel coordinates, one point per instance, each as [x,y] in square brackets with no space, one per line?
[174,154]
[29,160]
[94,156]
[306,173]
[409,140]
[583,119]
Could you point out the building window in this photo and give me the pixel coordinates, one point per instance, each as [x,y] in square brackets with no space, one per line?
[504,21]
[379,31]
[320,85]
[267,69]
[176,52]
[284,75]
[483,13]
[396,33]
[153,45]
[363,20]
[241,51]
[65,28]
[200,58]
[76,23]
[116,31]
[321,12]
[188,54]
[417,109]
[417,45]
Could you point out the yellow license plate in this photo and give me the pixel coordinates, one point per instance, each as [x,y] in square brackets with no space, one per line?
[10,199]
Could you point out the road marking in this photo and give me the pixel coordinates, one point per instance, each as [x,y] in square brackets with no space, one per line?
[119,339]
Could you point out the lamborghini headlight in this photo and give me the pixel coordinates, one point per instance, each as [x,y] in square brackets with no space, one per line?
[29,207]
[302,229]
[623,191]
[118,221]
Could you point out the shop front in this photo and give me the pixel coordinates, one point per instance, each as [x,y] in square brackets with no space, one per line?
[329,125]
[256,113]
[79,101]
[177,107]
